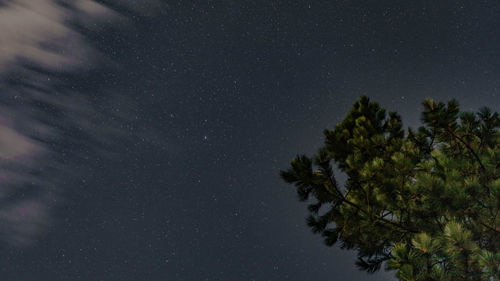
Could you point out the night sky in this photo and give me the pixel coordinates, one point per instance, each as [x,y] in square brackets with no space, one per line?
[143,142]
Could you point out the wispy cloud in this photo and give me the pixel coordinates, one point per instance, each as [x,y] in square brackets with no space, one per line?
[37,32]
[38,41]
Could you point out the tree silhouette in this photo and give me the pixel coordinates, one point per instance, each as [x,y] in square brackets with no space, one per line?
[425,203]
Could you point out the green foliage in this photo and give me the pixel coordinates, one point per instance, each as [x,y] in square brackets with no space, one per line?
[425,203]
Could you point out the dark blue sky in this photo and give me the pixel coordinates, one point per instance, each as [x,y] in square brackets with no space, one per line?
[217,97]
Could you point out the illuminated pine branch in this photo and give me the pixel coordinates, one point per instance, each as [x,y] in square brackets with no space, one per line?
[426,202]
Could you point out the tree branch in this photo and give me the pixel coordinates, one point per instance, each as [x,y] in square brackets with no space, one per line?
[343,199]
[490,228]
[468,147]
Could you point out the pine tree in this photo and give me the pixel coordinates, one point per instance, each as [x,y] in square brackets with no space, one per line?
[424,203]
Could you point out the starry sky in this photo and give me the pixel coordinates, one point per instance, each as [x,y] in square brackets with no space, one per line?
[143,141]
